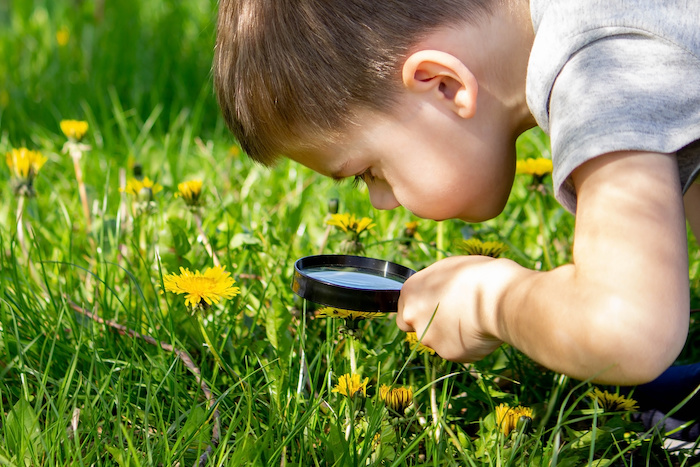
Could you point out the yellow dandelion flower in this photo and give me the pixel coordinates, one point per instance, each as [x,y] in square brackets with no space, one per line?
[190,191]
[74,129]
[24,163]
[507,417]
[234,151]
[538,167]
[396,399]
[613,402]
[349,223]
[350,385]
[410,229]
[330,312]
[474,246]
[62,36]
[414,343]
[202,288]
[134,186]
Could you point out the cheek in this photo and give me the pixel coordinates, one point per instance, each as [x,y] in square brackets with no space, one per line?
[451,194]
[431,195]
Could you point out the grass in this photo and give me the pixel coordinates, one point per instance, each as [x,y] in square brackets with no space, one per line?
[79,390]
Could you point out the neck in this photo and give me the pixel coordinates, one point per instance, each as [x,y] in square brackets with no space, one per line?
[509,37]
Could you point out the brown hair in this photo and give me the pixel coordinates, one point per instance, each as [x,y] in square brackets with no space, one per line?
[288,71]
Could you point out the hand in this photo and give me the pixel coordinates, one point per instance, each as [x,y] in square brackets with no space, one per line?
[463,292]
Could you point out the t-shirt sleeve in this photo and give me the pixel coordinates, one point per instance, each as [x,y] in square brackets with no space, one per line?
[623,92]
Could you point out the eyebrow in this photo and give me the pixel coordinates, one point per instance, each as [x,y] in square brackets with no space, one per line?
[336,174]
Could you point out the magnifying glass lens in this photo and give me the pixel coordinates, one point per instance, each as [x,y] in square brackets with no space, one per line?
[354,278]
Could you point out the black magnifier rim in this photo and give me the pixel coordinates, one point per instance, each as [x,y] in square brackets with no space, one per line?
[349,298]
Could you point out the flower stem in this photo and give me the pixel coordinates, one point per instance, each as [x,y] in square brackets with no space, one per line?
[20,225]
[76,155]
[432,374]
[351,350]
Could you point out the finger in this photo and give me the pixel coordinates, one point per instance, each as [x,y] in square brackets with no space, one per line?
[400,323]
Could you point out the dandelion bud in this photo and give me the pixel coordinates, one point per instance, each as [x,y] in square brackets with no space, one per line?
[333,204]
[396,399]
[524,424]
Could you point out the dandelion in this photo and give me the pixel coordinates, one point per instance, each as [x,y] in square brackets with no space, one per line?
[234,151]
[415,344]
[138,187]
[329,312]
[74,129]
[475,246]
[613,402]
[411,230]
[538,167]
[396,399]
[507,417]
[24,165]
[190,191]
[333,204]
[351,385]
[350,224]
[202,289]
[62,36]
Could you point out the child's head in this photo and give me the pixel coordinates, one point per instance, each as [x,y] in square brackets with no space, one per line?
[289,73]
[384,90]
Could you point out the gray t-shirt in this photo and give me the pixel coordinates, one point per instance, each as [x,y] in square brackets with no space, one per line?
[613,75]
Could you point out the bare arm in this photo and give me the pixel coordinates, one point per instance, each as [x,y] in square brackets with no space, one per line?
[621,310]
[618,314]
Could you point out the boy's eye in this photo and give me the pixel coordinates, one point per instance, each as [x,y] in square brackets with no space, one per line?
[365,177]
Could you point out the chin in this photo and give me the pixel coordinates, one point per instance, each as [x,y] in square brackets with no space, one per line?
[481,215]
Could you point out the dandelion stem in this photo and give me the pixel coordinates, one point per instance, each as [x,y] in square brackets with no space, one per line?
[20,225]
[432,375]
[324,240]
[351,350]
[76,155]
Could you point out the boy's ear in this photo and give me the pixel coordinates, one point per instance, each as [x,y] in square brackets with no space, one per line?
[444,74]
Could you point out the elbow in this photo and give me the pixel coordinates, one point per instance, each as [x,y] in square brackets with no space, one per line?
[636,343]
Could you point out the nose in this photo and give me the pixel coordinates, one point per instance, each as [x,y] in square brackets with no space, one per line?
[381,195]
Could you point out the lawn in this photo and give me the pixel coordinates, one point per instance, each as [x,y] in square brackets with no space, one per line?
[103,363]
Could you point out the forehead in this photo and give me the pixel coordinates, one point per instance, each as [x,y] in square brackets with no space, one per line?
[333,154]
[331,160]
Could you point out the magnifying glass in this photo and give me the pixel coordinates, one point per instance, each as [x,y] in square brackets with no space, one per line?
[350,282]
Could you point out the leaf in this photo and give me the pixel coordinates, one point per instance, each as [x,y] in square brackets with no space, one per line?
[22,430]
[181,242]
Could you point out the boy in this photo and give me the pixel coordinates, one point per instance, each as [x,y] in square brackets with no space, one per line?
[423,100]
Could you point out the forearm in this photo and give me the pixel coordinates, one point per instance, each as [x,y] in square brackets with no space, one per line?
[583,329]
[619,313]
